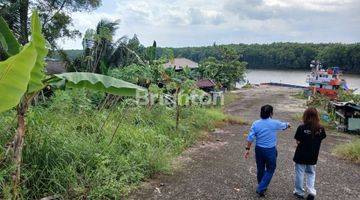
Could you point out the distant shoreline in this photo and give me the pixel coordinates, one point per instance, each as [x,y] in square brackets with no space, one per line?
[291,69]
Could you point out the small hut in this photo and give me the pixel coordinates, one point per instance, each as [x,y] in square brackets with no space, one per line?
[55,67]
[206,84]
[347,115]
[180,63]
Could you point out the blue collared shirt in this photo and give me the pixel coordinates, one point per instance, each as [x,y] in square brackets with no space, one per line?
[265,131]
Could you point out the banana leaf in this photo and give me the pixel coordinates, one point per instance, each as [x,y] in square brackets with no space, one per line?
[15,76]
[99,82]
[37,73]
[8,40]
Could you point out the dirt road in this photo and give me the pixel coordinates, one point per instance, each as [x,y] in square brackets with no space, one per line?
[215,169]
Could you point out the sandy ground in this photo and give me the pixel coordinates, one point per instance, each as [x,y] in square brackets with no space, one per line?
[215,169]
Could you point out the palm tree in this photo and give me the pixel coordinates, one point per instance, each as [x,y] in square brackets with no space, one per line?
[101,52]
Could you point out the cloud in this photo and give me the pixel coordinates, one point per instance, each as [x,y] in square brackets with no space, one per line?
[199,17]
[202,22]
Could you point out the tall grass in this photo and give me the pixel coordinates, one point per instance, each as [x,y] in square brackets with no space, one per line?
[350,151]
[70,151]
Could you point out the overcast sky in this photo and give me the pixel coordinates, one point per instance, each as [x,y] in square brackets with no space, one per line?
[179,23]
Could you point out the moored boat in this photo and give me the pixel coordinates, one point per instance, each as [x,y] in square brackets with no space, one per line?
[325,81]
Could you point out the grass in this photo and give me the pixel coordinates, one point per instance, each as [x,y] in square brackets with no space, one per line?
[349,151]
[70,152]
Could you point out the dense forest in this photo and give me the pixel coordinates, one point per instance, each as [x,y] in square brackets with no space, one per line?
[283,55]
[275,55]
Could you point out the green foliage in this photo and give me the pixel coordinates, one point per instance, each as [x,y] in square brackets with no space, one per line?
[15,75]
[68,154]
[37,72]
[7,40]
[347,96]
[350,151]
[150,53]
[99,82]
[23,71]
[137,74]
[167,53]
[319,101]
[279,55]
[186,88]
[55,15]
[154,89]
[227,70]
[98,47]
[102,53]
[322,101]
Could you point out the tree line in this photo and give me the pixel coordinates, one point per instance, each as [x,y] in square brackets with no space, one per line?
[280,55]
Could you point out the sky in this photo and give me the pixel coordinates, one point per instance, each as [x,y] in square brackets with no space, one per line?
[181,23]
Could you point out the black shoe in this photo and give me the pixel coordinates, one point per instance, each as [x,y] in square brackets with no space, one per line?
[298,196]
[310,197]
[261,194]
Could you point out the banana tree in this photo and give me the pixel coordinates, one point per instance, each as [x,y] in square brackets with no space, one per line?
[182,91]
[22,77]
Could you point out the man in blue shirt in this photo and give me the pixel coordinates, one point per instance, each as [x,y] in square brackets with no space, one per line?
[265,132]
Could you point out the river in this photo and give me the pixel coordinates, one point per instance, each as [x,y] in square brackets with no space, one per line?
[257,76]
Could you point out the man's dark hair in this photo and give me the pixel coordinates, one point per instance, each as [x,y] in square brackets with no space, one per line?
[266,111]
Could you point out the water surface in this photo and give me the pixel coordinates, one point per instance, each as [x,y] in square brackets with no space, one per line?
[257,76]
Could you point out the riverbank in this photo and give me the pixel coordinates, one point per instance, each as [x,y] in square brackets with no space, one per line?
[215,168]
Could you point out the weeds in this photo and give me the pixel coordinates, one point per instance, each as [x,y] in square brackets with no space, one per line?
[67,153]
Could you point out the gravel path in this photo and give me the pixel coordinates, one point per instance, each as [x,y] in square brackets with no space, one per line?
[215,168]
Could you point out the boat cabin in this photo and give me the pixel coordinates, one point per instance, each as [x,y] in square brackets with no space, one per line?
[325,81]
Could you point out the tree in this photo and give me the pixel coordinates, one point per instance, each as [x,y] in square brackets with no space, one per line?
[279,55]
[55,15]
[22,77]
[335,55]
[137,74]
[101,52]
[98,45]
[226,71]
[182,88]
[151,53]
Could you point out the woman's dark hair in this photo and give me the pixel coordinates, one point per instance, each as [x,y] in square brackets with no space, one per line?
[311,118]
[266,111]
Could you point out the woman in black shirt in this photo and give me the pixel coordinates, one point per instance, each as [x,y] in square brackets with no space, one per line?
[308,137]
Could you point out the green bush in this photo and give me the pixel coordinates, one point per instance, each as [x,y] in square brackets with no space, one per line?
[68,153]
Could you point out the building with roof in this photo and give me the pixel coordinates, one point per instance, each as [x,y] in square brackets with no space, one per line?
[180,63]
[347,115]
[207,85]
[54,67]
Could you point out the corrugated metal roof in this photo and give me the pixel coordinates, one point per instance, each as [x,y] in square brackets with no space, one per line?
[55,67]
[180,63]
[354,106]
[347,104]
[204,83]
